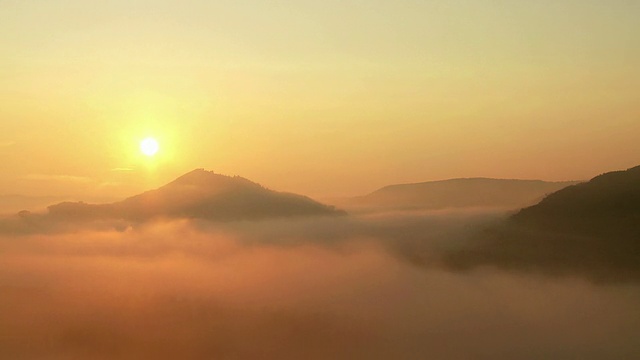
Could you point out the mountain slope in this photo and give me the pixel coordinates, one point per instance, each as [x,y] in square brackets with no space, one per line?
[460,193]
[608,205]
[590,229]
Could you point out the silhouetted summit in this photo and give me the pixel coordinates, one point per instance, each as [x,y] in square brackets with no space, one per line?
[209,180]
[199,194]
[461,193]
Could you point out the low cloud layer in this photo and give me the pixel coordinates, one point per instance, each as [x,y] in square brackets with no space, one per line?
[458,240]
[371,287]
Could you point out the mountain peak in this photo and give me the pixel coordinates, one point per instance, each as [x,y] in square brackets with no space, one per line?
[196,176]
[202,178]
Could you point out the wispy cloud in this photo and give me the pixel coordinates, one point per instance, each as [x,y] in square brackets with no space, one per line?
[110,184]
[122,169]
[6,143]
[62,178]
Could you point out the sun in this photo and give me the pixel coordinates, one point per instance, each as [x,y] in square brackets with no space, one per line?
[149,146]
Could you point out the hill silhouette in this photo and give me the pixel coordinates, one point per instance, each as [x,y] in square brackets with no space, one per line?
[590,229]
[199,194]
[606,206]
[460,193]
[12,203]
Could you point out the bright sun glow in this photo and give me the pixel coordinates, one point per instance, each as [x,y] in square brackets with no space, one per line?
[149,146]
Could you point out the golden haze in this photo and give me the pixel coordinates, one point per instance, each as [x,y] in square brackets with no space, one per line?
[321,98]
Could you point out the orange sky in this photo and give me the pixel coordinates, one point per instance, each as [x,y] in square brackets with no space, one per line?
[325,98]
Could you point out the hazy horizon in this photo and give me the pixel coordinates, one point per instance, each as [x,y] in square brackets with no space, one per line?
[50,199]
[324,99]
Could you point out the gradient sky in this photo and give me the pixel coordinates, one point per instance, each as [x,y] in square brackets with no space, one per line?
[324,98]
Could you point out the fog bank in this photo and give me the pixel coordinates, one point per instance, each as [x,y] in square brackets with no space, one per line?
[314,289]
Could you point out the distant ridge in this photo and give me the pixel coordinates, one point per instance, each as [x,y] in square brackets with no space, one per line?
[461,193]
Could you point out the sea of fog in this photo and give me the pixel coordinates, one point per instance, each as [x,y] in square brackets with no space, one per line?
[370,286]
